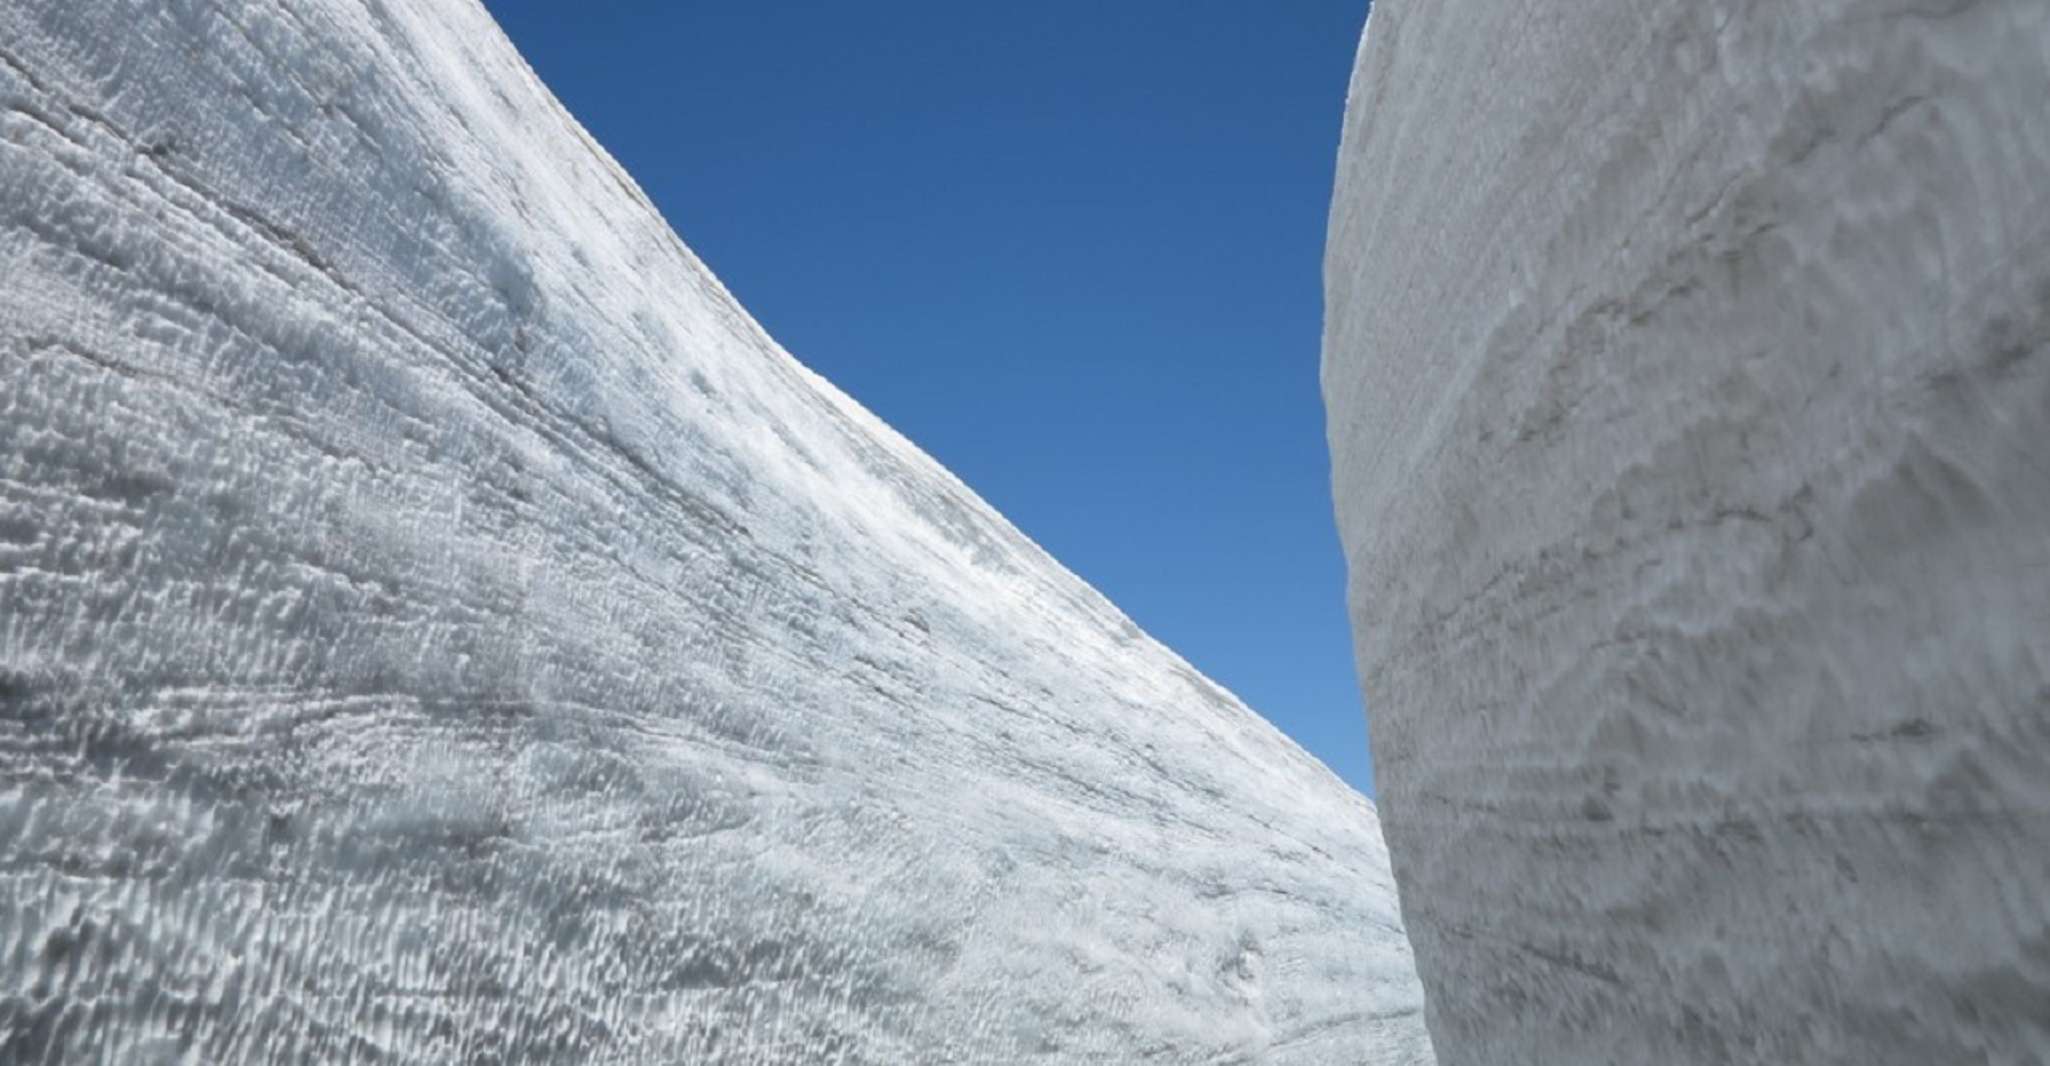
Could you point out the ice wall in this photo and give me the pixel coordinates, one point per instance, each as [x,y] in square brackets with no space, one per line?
[1688,396]
[438,626]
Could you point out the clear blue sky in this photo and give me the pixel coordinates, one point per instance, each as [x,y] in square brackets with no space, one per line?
[1070,248]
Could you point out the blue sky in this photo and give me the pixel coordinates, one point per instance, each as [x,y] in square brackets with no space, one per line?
[1070,248]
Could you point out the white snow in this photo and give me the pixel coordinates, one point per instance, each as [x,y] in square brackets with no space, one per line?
[1690,413]
[438,625]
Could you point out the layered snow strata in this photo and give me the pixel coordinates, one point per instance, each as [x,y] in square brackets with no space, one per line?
[1690,408]
[437,625]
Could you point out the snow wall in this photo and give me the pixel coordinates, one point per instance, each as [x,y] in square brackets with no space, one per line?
[1690,408]
[438,626]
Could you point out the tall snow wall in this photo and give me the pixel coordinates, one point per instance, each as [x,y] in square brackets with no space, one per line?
[438,626]
[1690,411]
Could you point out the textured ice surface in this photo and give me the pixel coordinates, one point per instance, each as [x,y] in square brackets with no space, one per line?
[438,626]
[1690,406]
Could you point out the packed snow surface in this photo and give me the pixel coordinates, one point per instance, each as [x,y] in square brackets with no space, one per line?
[1690,412]
[437,625]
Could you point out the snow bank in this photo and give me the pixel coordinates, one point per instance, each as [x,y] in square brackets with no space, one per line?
[437,625]
[1690,407]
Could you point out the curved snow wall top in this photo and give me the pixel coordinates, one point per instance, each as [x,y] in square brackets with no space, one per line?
[437,625]
[1690,407]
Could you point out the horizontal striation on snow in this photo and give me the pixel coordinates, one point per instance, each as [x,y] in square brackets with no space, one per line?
[1688,372]
[437,625]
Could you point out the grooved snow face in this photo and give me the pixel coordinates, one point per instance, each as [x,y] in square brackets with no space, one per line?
[437,625]
[1690,413]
